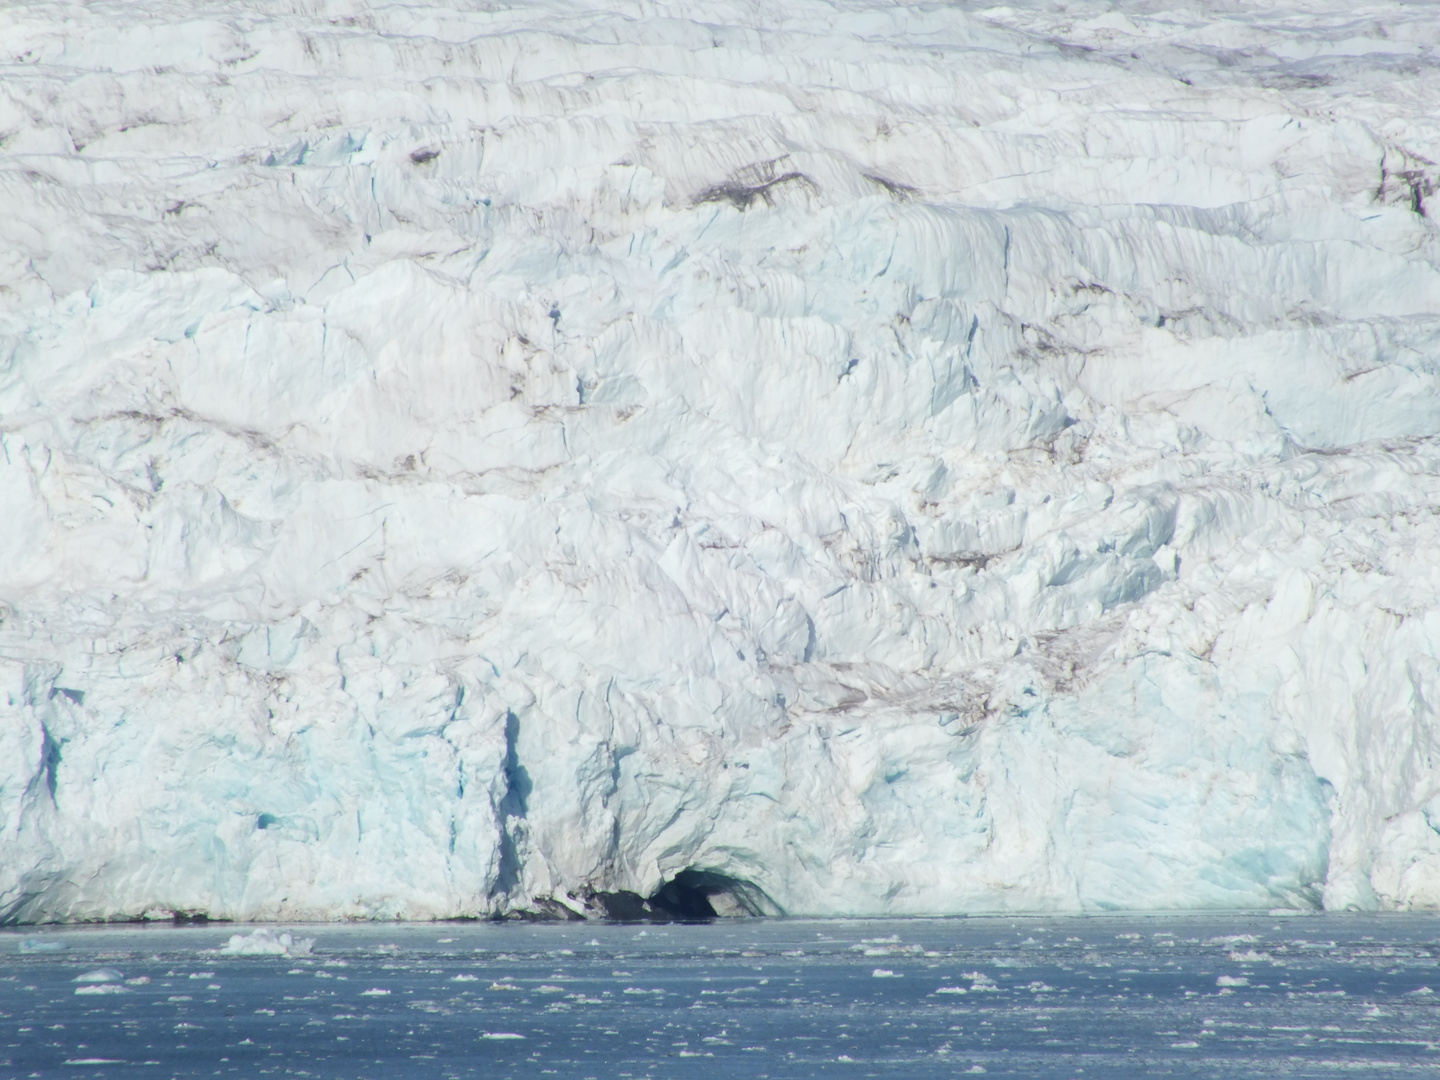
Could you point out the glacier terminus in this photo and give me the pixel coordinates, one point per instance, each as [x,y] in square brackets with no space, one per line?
[853,458]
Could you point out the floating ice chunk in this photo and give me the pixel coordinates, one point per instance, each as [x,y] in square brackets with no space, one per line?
[375,991]
[1250,956]
[885,973]
[266,942]
[99,975]
[501,1035]
[34,945]
[951,990]
[891,950]
[101,988]
[1232,980]
[465,978]
[980,982]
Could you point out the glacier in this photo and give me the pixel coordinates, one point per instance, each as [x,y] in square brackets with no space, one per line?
[470,460]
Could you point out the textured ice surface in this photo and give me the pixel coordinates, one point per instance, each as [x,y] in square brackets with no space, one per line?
[266,942]
[465,459]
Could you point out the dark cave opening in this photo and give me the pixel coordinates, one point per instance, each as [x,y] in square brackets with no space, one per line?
[686,897]
[701,895]
[692,895]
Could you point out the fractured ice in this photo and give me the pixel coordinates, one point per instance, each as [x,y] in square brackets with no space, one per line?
[877,459]
[266,942]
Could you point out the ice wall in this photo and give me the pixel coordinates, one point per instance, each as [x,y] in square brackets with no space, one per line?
[908,458]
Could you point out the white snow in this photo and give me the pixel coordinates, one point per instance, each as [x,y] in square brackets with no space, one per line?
[912,458]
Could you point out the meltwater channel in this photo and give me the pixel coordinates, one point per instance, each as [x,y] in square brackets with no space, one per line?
[1197,995]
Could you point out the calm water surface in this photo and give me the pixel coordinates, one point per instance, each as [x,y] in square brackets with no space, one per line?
[1211,996]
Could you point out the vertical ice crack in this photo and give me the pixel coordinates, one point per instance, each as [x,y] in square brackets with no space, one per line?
[513,806]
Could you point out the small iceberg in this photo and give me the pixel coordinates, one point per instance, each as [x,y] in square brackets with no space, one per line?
[100,975]
[266,942]
[41,945]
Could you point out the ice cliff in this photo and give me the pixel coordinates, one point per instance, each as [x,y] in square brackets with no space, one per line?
[459,459]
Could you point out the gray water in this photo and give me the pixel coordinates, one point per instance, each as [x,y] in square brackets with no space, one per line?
[1213,996]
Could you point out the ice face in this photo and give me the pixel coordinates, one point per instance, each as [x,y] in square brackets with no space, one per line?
[883,460]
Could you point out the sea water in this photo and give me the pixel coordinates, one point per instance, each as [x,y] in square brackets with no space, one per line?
[1194,995]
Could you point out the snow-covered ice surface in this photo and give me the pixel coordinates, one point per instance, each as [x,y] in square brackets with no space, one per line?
[466,459]
[1197,995]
